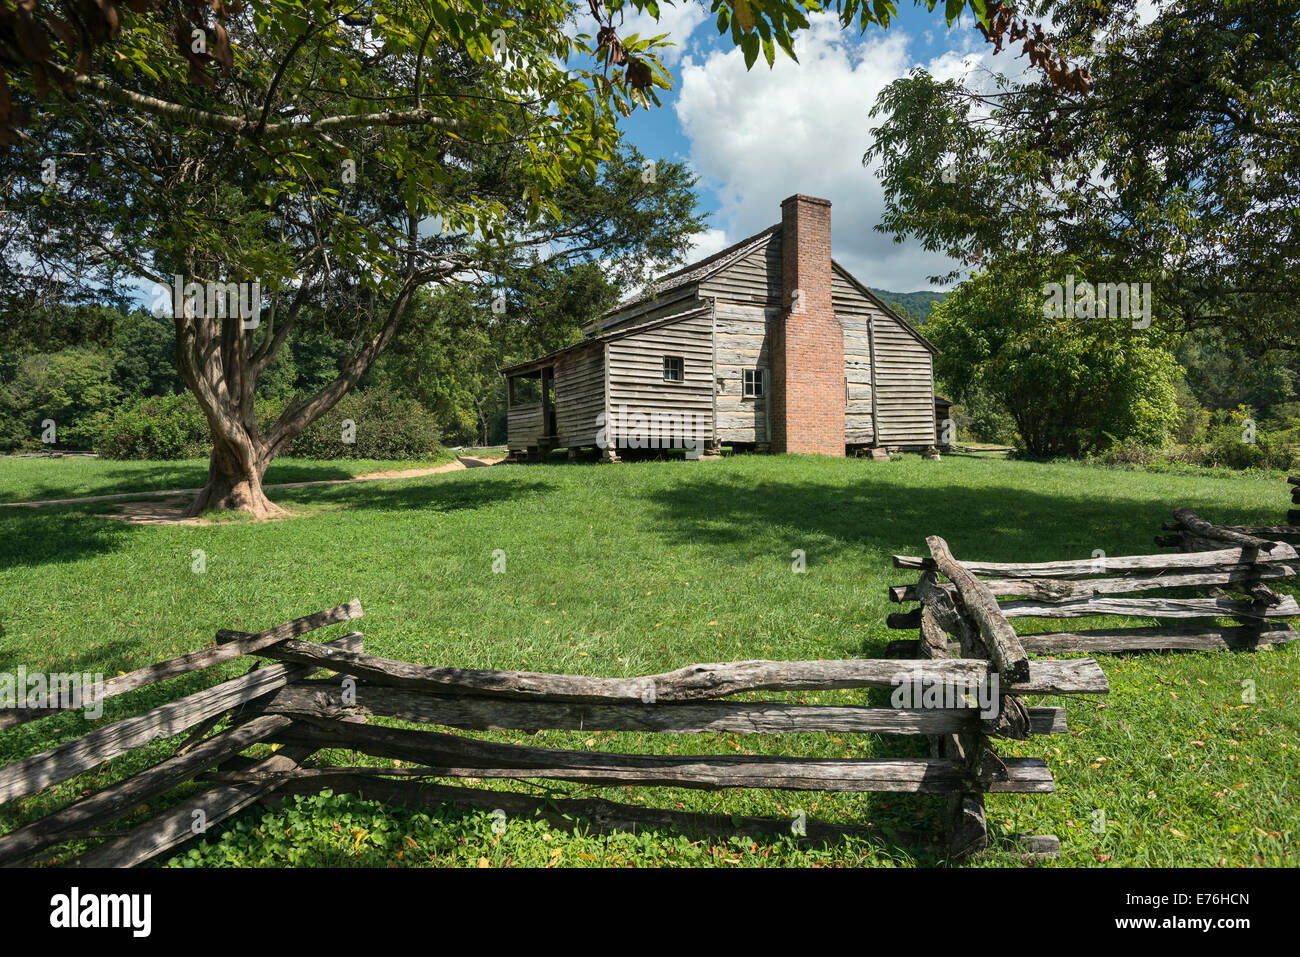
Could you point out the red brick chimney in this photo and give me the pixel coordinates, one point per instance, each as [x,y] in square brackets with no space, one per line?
[808,343]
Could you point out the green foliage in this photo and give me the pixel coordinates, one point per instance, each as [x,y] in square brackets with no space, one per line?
[915,306]
[760,26]
[146,361]
[1227,439]
[1070,387]
[1223,375]
[1177,167]
[387,426]
[979,416]
[163,427]
[1191,416]
[1235,440]
[66,387]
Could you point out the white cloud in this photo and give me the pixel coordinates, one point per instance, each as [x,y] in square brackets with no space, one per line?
[759,136]
[707,243]
[678,21]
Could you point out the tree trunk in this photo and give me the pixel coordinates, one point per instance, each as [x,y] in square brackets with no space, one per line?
[235,481]
[221,364]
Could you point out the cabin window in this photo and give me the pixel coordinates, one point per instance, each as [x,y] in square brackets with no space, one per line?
[526,389]
[753,384]
[674,369]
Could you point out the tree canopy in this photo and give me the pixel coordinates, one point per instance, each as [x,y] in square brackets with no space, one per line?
[1180,165]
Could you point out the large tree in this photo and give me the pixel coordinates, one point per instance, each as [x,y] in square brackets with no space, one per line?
[1177,162]
[340,167]
[1070,387]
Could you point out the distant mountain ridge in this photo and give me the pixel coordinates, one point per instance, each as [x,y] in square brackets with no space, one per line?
[917,304]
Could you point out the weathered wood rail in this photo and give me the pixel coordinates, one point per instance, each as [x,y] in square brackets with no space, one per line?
[280,703]
[1214,560]
[966,609]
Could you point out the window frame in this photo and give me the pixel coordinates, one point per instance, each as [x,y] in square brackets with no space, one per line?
[753,383]
[681,369]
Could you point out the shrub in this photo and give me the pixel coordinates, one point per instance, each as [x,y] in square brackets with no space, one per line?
[1235,440]
[387,426]
[1231,440]
[158,427]
[1131,452]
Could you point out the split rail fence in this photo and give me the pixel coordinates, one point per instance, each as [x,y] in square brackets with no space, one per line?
[1191,533]
[280,703]
[969,616]
[1129,586]
[965,609]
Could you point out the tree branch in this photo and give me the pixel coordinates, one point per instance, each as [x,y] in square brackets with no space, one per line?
[237,125]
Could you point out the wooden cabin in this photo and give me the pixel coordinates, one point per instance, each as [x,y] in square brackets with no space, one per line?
[768,345]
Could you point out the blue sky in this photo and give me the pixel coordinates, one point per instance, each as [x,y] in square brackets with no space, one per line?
[755,138]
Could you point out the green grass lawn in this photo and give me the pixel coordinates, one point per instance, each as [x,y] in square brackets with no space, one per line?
[640,568]
[41,479]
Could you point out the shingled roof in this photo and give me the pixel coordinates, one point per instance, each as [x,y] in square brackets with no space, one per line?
[696,272]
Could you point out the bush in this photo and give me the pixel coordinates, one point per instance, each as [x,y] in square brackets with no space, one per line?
[159,427]
[387,426]
[1131,452]
[1231,439]
[1227,449]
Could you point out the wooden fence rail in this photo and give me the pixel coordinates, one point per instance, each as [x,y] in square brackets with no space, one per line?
[1122,586]
[277,703]
[961,620]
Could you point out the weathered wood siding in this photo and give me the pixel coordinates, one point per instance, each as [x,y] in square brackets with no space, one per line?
[741,342]
[523,425]
[579,395]
[905,380]
[641,400]
[755,277]
[904,372]
[890,403]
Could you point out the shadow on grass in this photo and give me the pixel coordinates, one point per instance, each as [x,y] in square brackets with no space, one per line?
[52,535]
[986,523]
[433,493]
[110,481]
[47,535]
[907,833]
[125,478]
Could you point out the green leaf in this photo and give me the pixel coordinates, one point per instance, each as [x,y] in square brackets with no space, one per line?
[954,10]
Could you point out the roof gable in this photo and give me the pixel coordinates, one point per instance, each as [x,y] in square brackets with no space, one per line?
[879,303]
[692,274]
